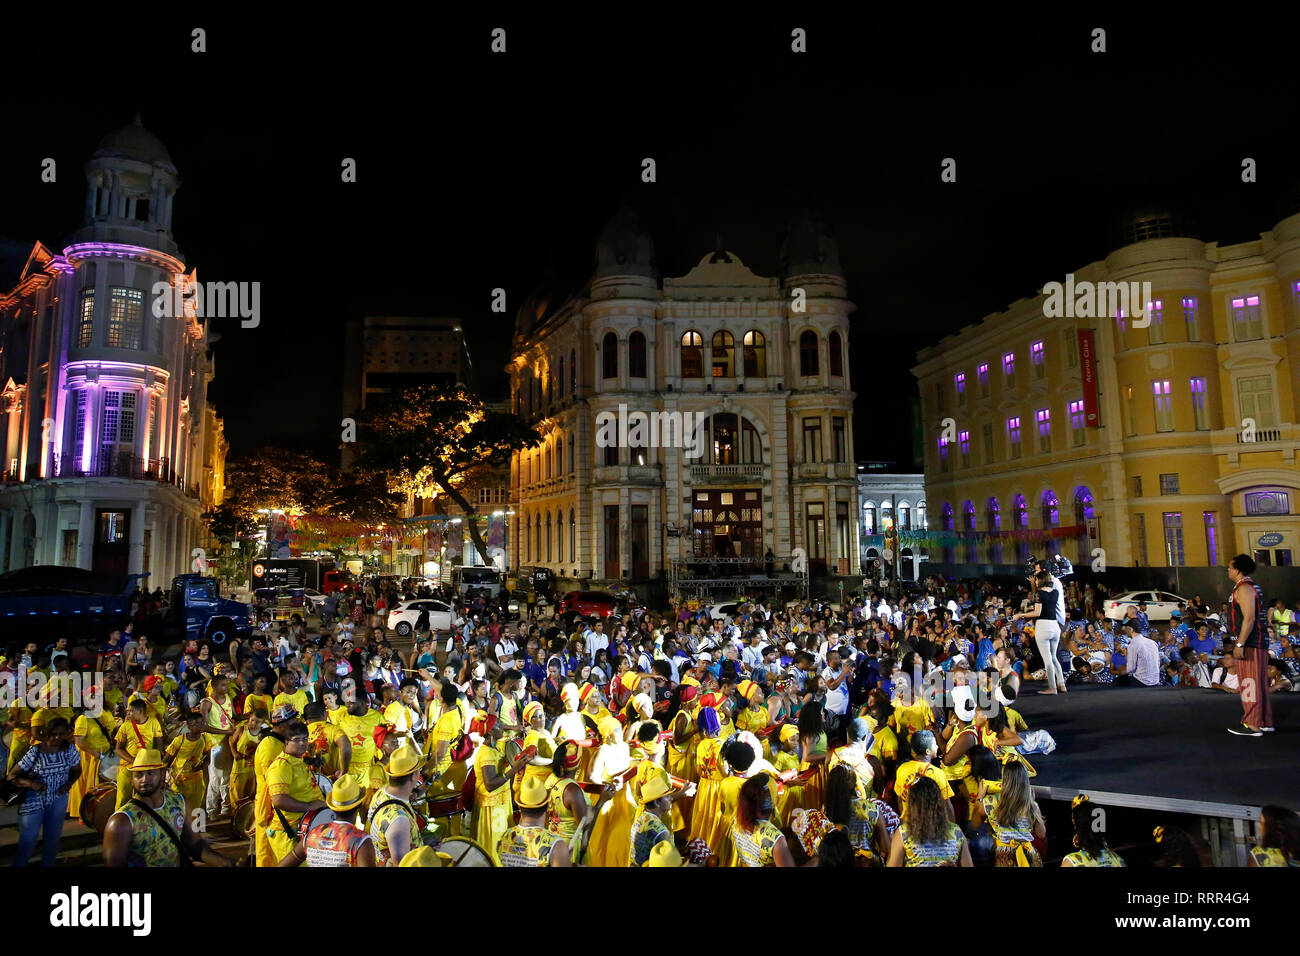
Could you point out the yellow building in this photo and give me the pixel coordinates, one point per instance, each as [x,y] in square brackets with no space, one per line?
[1192,457]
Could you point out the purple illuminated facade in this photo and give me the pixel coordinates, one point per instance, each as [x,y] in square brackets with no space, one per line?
[110,450]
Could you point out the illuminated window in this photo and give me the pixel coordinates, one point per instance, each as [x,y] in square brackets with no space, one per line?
[86,327]
[1199,411]
[1013,436]
[1036,359]
[1043,418]
[1077,422]
[1164,406]
[1173,524]
[963,443]
[125,318]
[692,355]
[943,453]
[1247,323]
[1211,522]
[723,351]
[982,373]
[959,383]
[1189,319]
[755,352]
[1009,368]
[1156,330]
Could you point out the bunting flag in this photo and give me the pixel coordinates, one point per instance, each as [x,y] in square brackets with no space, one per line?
[953,538]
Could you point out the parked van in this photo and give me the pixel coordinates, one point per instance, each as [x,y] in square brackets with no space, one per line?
[476,578]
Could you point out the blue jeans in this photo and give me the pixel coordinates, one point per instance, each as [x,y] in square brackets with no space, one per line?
[30,827]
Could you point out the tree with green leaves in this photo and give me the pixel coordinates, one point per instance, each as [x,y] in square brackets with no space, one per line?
[434,441]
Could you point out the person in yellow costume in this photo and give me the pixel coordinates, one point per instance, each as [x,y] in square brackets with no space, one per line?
[574,725]
[292,791]
[258,696]
[289,694]
[924,749]
[854,756]
[724,706]
[218,711]
[567,808]
[269,749]
[21,717]
[681,746]
[530,843]
[446,776]
[755,716]
[93,736]
[642,711]
[243,747]
[912,712]
[153,687]
[610,834]
[359,726]
[492,777]
[138,732]
[995,733]
[959,736]
[403,715]
[187,755]
[813,753]
[789,797]
[330,747]
[712,769]
[539,767]
[391,821]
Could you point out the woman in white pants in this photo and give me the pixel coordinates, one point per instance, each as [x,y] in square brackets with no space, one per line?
[1047,632]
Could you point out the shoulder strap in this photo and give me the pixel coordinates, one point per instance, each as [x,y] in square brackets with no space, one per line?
[180,847]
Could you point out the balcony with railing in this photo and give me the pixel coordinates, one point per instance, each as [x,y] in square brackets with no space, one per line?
[708,473]
[120,466]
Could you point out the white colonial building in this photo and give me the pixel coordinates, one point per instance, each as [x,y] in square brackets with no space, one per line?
[108,437]
[772,384]
[891,498]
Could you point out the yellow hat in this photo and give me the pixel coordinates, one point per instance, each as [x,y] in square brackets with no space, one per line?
[531,709]
[631,679]
[425,856]
[609,724]
[533,794]
[345,795]
[748,689]
[147,760]
[655,786]
[689,681]
[788,732]
[403,761]
[664,854]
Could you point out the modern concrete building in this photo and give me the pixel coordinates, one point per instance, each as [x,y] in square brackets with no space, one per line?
[762,361]
[111,450]
[1183,451]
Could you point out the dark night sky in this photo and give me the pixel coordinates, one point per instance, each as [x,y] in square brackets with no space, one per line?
[478,171]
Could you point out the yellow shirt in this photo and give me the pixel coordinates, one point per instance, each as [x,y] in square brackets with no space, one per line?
[916,716]
[485,757]
[885,746]
[337,714]
[96,732]
[446,730]
[297,700]
[130,734]
[361,731]
[908,774]
[289,775]
[268,749]
[254,701]
[190,755]
[324,738]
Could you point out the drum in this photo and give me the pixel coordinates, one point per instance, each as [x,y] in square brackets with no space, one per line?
[242,822]
[314,818]
[108,767]
[465,852]
[324,783]
[98,805]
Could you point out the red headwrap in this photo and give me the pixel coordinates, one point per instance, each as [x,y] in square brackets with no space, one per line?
[482,725]
[689,693]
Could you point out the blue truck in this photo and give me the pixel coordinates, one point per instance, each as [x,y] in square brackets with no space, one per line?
[80,604]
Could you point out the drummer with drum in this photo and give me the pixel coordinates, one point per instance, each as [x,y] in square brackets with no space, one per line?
[392,821]
[293,788]
[331,837]
[151,829]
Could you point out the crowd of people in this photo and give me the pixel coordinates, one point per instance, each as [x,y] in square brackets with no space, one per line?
[786,736]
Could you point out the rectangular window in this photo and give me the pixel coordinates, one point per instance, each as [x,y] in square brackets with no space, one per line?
[1247,323]
[837,432]
[988,444]
[959,383]
[842,528]
[1156,330]
[1131,409]
[1199,412]
[1137,486]
[69,548]
[1189,319]
[1173,522]
[812,440]
[1268,503]
[1043,418]
[940,397]
[1070,339]
[79,429]
[1164,406]
[1009,369]
[125,318]
[1036,359]
[86,326]
[1210,520]
[1013,436]
[963,443]
[1169,484]
[1140,540]
[815,516]
[1122,321]
[1077,423]
[943,453]
[982,373]
[1256,397]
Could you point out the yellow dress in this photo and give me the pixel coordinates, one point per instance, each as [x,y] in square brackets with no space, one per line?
[268,749]
[791,797]
[187,769]
[814,791]
[611,835]
[958,773]
[754,721]
[915,716]
[491,818]
[707,810]
[97,733]
[559,818]
[729,791]
[134,737]
[243,778]
[545,745]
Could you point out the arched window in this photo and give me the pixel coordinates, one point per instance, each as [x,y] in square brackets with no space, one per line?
[723,354]
[559,456]
[969,508]
[636,355]
[1083,513]
[692,355]
[1051,510]
[947,526]
[921,520]
[539,537]
[1022,524]
[808,361]
[869,517]
[548,536]
[722,434]
[560,388]
[559,536]
[528,540]
[550,461]
[573,535]
[994,518]
[904,516]
[837,357]
[573,371]
[755,349]
[609,356]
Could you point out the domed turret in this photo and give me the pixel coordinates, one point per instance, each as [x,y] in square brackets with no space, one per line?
[625,247]
[1155,221]
[808,248]
[134,142]
[130,185]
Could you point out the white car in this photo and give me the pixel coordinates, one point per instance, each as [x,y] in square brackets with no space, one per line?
[402,618]
[315,597]
[1160,604]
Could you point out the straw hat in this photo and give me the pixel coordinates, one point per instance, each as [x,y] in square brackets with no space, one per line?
[425,856]
[147,760]
[345,795]
[533,794]
[404,761]
[665,854]
[658,784]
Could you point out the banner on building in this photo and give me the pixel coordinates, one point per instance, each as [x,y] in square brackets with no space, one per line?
[1088,371]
